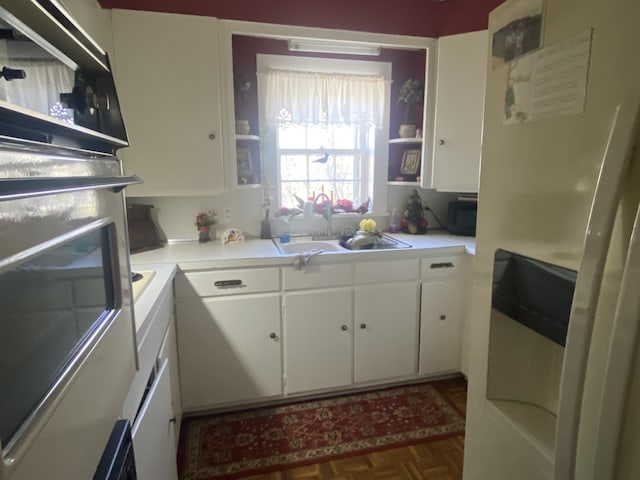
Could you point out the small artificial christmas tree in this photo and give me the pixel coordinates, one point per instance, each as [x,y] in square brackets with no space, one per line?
[413,220]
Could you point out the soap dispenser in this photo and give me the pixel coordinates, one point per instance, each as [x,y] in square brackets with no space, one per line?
[394,222]
[285,235]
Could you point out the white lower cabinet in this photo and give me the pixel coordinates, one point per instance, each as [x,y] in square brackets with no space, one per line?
[386,325]
[153,432]
[230,349]
[169,352]
[318,332]
[441,327]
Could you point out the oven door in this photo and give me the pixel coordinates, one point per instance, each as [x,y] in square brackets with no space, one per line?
[67,343]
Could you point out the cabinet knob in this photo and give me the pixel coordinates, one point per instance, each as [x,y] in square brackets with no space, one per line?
[363,325]
[172,420]
[344,328]
[441,142]
[273,335]
[212,136]
[443,317]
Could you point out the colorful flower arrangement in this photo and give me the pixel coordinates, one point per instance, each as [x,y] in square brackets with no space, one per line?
[367,225]
[206,219]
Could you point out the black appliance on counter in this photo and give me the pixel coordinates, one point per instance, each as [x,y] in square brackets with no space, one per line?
[462,217]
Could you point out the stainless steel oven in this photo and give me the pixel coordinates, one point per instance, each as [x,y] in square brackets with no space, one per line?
[67,340]
[64,283]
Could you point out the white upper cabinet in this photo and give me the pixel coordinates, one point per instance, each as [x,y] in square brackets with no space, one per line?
[461,72]
[166,71]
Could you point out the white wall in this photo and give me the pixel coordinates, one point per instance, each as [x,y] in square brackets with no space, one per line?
[176,215]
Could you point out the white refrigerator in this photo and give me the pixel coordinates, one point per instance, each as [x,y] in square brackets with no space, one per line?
[560,187]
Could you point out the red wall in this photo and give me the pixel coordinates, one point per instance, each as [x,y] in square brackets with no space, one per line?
[404,64]
[425,18]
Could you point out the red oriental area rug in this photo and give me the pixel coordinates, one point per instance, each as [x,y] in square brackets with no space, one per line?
[268,439]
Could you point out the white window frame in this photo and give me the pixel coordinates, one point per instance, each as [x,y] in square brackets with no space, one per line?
[267,62]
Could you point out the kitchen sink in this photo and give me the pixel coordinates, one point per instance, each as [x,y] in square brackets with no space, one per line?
[299,245]
[305,245]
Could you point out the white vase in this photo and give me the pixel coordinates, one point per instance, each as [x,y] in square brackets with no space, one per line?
[407,131]
[242,127]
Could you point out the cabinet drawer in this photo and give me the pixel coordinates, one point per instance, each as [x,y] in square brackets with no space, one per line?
[317,276]
[441,267]
[388,271]
[227,282]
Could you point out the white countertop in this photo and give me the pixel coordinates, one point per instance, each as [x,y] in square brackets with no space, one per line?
[149,298]
[257,252]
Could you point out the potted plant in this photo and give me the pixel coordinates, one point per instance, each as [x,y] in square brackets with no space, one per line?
[204,221]
[411,92]
[241,87]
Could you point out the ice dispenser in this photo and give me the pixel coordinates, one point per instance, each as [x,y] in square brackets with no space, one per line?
[531,304]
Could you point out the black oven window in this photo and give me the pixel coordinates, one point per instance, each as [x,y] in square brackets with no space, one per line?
[51,303]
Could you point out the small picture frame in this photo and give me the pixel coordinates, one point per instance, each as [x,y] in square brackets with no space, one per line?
[516,29]
[410,162]
[243,158]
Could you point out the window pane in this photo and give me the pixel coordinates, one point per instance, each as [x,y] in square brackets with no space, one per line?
[319,170]
[289,190]
[347,191]
[291,136]
[293,167]
[344,167]
[344,137]
[319,137]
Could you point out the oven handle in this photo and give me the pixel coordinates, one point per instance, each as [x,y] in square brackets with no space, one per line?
[17,188]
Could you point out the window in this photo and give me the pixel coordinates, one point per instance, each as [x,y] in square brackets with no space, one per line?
[333,159]
[323,126]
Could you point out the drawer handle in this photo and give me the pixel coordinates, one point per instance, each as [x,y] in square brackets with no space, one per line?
[442,265]
[229,284]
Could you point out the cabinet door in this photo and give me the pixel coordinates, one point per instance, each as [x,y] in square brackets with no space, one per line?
[318,339]
[461,72]
[229,349]
[440,327]
[169,352]
[167,81]
[386,324]
[153,433]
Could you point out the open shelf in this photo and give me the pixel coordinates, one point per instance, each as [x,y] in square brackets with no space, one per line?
[251,138]
[401,183]
[406,140]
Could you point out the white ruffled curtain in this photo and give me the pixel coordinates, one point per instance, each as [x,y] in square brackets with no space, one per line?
[40,90]
[324,98]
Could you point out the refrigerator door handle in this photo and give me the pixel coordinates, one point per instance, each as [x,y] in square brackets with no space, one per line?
[620,359]
[585,299]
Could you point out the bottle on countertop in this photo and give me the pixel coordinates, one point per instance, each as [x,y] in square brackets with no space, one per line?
[394,222]
[285,235]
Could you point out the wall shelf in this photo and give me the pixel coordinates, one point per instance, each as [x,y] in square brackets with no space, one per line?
[251,138]
[406,140]
[404,184]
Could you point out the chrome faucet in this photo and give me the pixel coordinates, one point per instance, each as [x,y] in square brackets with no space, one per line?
[328,210]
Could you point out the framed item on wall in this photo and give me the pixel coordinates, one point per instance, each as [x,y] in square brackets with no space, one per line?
[410,162]
[516,29]
[243,158]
